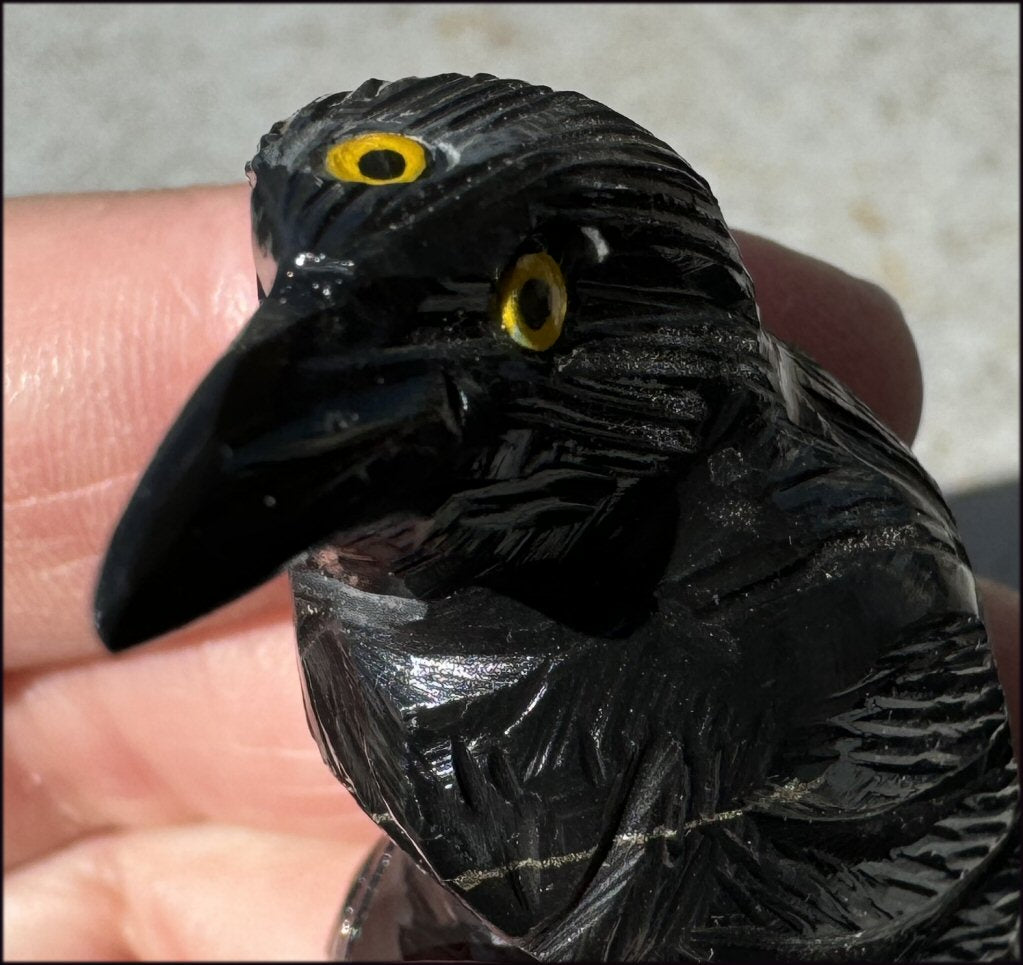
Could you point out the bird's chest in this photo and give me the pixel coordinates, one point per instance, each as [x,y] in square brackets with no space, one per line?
[520,755]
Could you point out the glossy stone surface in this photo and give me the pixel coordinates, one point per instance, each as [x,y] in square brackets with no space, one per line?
[398,912]
[652,644]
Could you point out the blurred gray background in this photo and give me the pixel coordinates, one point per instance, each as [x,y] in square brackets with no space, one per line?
[882,138]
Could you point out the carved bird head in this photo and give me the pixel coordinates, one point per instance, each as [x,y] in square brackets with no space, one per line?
[466,281]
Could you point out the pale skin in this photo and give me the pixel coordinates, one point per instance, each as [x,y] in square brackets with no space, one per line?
[170,803]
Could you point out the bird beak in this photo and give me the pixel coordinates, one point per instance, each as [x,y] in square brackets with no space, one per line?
[310,424]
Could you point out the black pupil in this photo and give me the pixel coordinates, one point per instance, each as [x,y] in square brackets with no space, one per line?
[382,165]
[535,303]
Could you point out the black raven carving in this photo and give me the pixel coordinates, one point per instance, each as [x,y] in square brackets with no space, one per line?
[638,632]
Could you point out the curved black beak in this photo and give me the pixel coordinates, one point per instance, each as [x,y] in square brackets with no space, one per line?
[311,423]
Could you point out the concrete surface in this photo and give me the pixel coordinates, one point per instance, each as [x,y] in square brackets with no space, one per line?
[883,138]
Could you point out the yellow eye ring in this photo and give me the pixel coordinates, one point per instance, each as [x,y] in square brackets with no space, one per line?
[377,158]
[532,300]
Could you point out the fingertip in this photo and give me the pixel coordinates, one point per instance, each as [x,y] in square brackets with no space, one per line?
[850,326]
[115,304]
[1002,617]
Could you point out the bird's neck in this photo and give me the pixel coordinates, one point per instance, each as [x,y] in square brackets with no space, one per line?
[577,511]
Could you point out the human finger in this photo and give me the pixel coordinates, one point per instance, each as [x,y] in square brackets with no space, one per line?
[114,306]
[210,730]
[183,893]
[1001,615]
[851,327]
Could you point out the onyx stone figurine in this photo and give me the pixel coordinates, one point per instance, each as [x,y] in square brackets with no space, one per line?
[637,633]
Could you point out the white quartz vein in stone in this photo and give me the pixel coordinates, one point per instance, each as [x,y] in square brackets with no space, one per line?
[790,791]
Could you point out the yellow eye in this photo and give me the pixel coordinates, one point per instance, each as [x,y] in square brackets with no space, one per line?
[532,301]
[377,158]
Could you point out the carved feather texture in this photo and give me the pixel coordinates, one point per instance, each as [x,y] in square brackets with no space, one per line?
[689,664]
[639,635]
